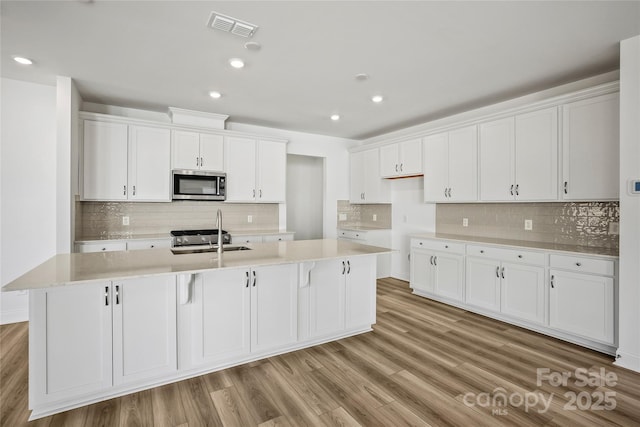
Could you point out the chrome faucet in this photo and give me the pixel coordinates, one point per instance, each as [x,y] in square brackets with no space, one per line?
[219,225]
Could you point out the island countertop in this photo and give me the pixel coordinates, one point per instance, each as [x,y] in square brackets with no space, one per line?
[76,268]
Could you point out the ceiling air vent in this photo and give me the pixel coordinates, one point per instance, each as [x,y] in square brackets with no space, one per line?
[231,25]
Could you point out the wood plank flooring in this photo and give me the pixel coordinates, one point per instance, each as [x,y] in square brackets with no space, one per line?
[425,364]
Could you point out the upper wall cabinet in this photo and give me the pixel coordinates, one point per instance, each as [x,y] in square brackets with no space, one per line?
[591,149]
[256,170]
[451,166]
[401,159]
[200,151]
[519,157]
[125,162]
[366,185]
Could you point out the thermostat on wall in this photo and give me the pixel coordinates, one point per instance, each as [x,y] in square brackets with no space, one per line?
[634,186]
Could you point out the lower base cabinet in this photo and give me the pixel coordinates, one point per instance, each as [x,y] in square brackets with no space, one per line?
[438,273]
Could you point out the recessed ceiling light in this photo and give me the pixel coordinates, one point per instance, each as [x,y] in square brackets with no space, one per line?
[22,60]
[236,62]
[215,94]
[335,117]
[362,77]
[254,46]
[377,98]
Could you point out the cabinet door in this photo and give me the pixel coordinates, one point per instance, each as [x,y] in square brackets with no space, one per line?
[483,283]
[522,292]
[496,160]
[422,271]
[274,307]
[448,278]
[327,298]
[70,341]
[185,150]
[240,161]
[410,157]
[390,160]
[536,155]
[149,164]
[220,319]
[463,164]
[211,152]
[272,172]
[104,161]
[360,291]
[436,167]
[582,304]
[356,177]
[376,189]
[591,149]
[144,328]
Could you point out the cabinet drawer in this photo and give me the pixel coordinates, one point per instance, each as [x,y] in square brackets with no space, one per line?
[277,238]
[106,246]
[438,245]
[246,239]
[148,244]
[585,265]
[510,255]
[353,235]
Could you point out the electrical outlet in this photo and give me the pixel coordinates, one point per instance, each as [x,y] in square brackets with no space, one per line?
[465,222]
[528,224]
[375,217]
[125,220]
[249,219]
[342,217]
[614,228]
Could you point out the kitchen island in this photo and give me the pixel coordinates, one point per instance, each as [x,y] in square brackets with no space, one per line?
[108,324]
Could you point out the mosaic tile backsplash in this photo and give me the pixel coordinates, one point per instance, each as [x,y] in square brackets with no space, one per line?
[362,215]
[581,223]
[104,219]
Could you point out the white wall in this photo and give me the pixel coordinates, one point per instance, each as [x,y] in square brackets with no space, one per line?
[336,154]
[305,196]
[410,215]
[28,186]
[629,284]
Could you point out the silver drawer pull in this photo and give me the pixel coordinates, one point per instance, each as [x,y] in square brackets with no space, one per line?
[481,251]
[552,284]
[520,256]
[446,246]
[498,272]
[578,264]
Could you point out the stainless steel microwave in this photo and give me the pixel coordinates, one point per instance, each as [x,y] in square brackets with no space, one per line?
[198,185]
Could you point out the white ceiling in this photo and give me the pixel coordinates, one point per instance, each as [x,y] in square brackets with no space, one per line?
[429,59]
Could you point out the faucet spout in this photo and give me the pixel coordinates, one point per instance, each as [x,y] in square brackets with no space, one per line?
[219,225]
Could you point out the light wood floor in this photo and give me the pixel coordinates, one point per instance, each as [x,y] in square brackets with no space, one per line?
[415,368]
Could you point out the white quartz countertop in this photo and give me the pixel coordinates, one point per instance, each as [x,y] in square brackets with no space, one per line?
[361,228]
[76,268]
[556,247]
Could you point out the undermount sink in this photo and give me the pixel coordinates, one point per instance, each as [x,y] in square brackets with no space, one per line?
[201,249]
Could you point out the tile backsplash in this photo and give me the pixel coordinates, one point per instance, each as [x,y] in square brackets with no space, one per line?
[362,215]
[579,223]
[104,219]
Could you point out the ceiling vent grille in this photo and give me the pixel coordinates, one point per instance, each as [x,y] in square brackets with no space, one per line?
[231,25]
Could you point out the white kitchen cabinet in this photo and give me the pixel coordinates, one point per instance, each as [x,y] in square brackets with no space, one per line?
[381,238]
[198,151]
[360,287]
[483,283]
[70,342]
[438,270]
[261,238]
[451,166]
[106,246]
[125,162]
[522,292]
[144,328]
[220,317]
[256,170]
[591,149]
[274,307]
[519,157]
[137,244]
[366,184]
[277,237]
[401,159]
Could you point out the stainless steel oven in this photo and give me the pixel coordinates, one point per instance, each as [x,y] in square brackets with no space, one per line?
[198,185]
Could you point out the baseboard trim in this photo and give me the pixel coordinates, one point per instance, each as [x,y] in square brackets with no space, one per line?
[627,361]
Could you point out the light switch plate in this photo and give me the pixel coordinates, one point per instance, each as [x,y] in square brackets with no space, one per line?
[528,224]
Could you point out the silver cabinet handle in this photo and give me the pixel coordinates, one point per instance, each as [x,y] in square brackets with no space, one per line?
[449,192]
[124,190]
[435,261]
[502,272]
[261,193]
[106,295]
[396,167]
[348,267]
[517,186]
[201,161]
[498,272]
[431,260]
[481,251]
[446,246]
[520,256]
[247,279]
[254,193]
[344,267]
[445,192]
[511,190]
[134,190]
[578,264]
[552,284]
[197,161]
[565,187]
[254,278]
[117,294]
[400,167]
